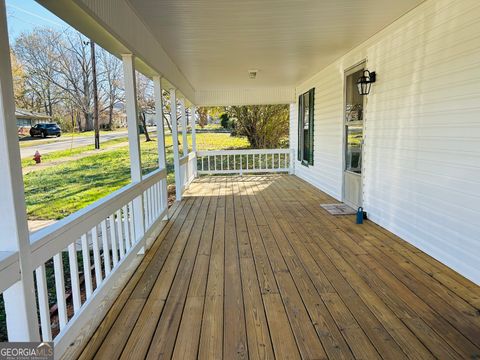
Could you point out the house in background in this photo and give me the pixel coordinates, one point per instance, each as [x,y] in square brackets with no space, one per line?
[384,103]
[26,119]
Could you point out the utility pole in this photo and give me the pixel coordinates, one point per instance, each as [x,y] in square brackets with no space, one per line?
[95,96]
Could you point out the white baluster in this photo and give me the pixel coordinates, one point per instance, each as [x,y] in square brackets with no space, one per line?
[96,257]
[150,205]
[131,224]
[74,280]
[87,274]
[121,243]
[126,228]
[106,248]
[113,239]
[43,307]
[60,290]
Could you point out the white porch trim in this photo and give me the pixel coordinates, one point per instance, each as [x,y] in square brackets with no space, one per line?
[133,138]
[176,155]
[162,160]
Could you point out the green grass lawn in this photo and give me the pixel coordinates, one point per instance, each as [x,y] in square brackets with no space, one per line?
[58,191]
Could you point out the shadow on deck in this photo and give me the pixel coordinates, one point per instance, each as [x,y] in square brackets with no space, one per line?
[253,267]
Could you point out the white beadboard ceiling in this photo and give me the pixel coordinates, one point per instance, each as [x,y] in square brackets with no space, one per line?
[215,42]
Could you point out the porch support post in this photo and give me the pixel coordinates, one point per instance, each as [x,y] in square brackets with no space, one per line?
[176,155]
[20,305]
[162,161]
[184,127]
[133,140]
[194,137]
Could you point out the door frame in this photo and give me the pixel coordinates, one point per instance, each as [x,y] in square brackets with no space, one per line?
[348,71]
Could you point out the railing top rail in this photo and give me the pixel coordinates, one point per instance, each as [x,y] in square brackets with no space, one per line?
[184,159]
[7,258]
[55,237]
[9,269]
[242,152]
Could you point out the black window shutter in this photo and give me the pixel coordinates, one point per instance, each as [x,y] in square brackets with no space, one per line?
[311,123]
[300,127]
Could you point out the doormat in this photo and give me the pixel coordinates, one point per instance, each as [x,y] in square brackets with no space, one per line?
[339,209]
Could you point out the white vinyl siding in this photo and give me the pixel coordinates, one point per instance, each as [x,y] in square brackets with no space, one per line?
[422,130]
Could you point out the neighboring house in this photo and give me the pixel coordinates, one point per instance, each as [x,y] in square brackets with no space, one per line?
[27,118]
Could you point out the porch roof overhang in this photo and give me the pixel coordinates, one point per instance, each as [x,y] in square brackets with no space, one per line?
[206,49]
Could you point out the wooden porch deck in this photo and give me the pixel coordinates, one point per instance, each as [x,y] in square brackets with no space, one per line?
[253,267]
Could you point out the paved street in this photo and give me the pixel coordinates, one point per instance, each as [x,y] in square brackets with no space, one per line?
[65,142]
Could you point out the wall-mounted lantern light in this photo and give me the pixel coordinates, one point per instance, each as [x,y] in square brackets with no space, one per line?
[365,81]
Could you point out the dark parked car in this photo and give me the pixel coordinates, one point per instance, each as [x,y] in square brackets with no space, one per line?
[45,130]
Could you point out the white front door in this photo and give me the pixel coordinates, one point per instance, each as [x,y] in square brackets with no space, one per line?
[353,139]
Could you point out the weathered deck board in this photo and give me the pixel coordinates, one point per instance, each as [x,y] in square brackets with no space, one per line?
[253,267]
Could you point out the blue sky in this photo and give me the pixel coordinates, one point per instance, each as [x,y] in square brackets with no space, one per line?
[24,15]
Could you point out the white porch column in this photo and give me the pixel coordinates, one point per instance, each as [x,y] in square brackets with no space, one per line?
[176,154]
[184,127]
[194,138]
[193,110]
[20,305]
[162,161]
[133,140]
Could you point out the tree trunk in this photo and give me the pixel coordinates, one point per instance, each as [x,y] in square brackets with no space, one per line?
[144,123]
[88,121]
[50,110]
[95,96]
[79,122]
[110,117]
[168,123]
[72,118]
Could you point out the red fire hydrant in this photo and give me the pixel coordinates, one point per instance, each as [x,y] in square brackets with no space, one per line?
[37,157]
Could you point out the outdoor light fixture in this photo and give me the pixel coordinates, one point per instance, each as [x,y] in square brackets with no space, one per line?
[365,81]
[252,74]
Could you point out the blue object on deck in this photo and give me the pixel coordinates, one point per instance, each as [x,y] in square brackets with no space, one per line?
[360,215]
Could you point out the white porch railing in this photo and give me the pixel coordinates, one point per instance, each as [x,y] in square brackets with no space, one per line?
[105,235]
[244,161]
[188,169]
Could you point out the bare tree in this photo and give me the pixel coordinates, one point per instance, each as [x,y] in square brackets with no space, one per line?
[95,95]
[145,100]
[166,109]
[110,83]
[73,73]
[54,73]
[36,53]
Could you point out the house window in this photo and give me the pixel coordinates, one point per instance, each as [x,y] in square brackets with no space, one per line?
[23,122]
[305,127]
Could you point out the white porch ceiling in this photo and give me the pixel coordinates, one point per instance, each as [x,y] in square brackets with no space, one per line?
[215,42]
